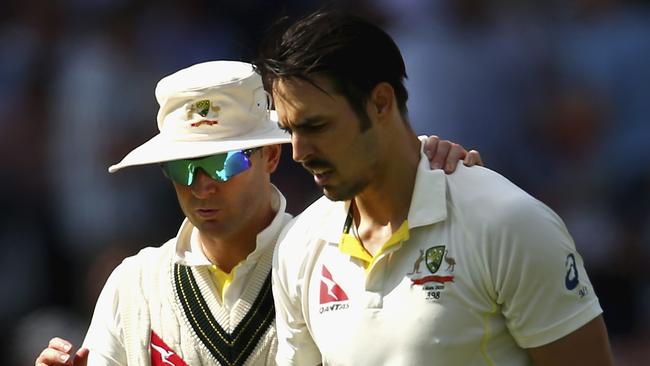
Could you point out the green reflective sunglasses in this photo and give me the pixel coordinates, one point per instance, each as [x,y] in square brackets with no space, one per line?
[220,167]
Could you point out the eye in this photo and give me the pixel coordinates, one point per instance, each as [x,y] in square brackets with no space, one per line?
[311,128]
[315,127]
[285,129]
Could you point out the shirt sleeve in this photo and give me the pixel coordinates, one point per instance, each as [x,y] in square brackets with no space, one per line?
[104,337]
[539,278]
[295,343]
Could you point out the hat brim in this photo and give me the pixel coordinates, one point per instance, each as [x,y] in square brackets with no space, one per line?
[160,148]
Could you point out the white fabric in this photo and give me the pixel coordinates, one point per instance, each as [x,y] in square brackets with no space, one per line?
[206,109]
[139,297]
[507,290]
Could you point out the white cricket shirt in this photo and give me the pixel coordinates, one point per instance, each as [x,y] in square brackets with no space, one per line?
[486,271]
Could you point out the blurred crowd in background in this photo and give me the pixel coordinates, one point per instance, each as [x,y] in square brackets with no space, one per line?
[555,94]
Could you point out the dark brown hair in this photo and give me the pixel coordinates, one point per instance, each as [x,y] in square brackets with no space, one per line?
[352,53]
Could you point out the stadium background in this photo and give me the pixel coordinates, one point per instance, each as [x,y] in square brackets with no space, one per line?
[555,95]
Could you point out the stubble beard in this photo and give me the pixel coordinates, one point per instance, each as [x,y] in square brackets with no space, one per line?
[345,192]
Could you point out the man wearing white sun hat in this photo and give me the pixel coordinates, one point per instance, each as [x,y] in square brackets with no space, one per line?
[204,297]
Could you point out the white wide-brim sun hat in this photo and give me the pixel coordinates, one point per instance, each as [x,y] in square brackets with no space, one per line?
[205,109]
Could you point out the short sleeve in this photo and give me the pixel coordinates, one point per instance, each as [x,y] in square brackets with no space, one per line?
[539,278]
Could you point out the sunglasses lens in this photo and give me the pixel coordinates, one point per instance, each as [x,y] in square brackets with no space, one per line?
[180,171]
[220,167]
[225,166]
[214,166]
[237,162]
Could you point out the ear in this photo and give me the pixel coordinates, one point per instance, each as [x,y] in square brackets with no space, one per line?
[271,156]
[381,103]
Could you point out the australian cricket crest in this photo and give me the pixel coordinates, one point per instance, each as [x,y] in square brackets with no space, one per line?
[433,257]
[433,285]
[205,109]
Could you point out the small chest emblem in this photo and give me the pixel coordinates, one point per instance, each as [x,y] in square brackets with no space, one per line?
[433,283]
[162,354]
[330,291]
[433,257]
[332,296]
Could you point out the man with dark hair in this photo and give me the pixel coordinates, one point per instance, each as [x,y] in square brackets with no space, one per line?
[399,265]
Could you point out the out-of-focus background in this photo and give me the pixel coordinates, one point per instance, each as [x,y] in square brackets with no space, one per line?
[554,93]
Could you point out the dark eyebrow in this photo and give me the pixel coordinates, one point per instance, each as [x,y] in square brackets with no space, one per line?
[302,124]
[306,122]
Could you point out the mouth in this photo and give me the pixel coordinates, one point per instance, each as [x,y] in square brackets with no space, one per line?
[206,213]
[321,178]
[321,170]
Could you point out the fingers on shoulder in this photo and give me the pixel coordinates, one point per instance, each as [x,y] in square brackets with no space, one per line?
[473,158]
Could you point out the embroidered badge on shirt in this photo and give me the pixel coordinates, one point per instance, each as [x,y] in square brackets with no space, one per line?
[162,354]
[433,257]
[433,284]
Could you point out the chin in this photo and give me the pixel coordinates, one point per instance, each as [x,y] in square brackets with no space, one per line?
[205,225]
[339,194]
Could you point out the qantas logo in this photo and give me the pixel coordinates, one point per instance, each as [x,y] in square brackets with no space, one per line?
[330,291]
[162,354]
[332,296]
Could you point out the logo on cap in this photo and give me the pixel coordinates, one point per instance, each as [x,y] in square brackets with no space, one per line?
[203,109]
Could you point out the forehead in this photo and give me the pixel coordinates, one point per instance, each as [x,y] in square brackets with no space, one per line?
[294,97]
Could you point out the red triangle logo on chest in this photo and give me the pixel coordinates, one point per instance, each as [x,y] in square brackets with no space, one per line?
[162,354]
[330,291]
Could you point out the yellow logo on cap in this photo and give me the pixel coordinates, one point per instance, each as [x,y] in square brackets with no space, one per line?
[202,107]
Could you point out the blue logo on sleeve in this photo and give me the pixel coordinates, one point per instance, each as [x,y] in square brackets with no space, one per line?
[571,280]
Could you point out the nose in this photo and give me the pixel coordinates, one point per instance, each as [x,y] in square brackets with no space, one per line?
[300,147]
[203,186]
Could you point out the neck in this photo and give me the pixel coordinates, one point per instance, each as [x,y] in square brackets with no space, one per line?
[383,205]
[226,255]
